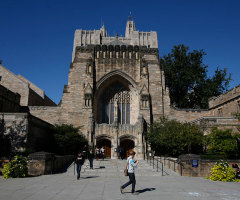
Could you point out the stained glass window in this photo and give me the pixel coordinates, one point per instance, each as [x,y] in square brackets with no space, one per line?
[117,96]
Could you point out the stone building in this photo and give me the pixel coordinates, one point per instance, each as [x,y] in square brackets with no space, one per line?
[116,86]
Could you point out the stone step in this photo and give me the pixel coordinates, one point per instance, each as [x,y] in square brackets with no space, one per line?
[116,167]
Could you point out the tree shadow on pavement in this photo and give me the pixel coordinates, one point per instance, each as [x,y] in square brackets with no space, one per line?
[145,190]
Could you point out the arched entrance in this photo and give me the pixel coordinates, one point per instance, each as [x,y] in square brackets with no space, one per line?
[127,145]
[106,144]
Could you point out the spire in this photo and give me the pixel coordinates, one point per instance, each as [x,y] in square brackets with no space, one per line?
[103,29]
[130,27]
[130,16]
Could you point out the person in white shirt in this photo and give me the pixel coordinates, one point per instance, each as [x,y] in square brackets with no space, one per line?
[102,150]
[132,164]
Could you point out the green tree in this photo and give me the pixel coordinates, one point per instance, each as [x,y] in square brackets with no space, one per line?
[170,137]
[69,139]
[222,143]
[186,77]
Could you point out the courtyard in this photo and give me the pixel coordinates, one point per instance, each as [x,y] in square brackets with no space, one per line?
[104,181]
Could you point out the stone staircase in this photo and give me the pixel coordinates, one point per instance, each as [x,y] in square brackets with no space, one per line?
[115,168]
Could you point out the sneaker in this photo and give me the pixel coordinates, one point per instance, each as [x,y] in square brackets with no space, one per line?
[135,193]
[121,190]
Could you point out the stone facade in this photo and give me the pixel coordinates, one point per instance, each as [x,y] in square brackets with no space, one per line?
[9,101]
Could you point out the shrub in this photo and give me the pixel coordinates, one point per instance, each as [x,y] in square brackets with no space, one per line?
[17,168]
[221,171]
[222,143]
[69,139]
[173,138]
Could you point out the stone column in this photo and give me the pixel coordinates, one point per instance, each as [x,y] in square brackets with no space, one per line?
[90,130]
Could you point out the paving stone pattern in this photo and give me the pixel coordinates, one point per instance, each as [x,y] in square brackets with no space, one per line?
[104,181]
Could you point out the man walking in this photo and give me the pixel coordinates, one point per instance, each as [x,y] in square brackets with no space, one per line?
[79,162]
[90,158]
[131,165]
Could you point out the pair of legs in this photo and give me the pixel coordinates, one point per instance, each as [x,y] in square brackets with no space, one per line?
[79,167]
[132,181]
[91,163]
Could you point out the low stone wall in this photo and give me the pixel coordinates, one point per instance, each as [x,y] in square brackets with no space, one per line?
[186,169]
[203,169]
[49,166]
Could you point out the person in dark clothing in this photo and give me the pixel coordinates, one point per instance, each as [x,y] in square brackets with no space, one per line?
[79,162]
[85,151]
[90,158]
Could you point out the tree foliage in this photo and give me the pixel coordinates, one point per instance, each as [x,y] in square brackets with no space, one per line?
[69,140]
[172,138]
[187,80]
[222,143]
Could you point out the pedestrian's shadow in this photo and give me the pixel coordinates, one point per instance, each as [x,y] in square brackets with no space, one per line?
[145,190]
[87,177]
[100,167]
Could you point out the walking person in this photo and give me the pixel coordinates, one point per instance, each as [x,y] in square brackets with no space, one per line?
[131,165]
[85,151]
[79,162]
[102,150]
[90,158]
[97,153]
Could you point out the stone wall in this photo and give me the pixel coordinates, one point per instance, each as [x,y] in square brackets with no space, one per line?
[49,166]
[186,169]
[187,115]
[49,114]
[26,131]
[9,101]
[207,123]
[12,82]
[30,93]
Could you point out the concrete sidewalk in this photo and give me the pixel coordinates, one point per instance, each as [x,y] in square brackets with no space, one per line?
[105,180]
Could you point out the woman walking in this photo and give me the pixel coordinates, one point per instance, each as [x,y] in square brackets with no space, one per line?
[131,165]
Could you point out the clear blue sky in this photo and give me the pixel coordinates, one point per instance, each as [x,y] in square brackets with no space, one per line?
[36,37]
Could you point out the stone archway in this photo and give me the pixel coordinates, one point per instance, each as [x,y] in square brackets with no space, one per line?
[127,145]
[106,144]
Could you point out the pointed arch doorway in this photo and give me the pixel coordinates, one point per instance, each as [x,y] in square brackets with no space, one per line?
[127,145]
[106,144]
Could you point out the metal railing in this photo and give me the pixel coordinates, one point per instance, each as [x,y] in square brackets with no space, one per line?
[156,163]
[159,163]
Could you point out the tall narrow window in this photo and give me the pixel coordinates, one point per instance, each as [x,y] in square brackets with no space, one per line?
[119,113]
[128,113]
[112,113]
[220,114]
[103,113]
[123,113]
[107,113]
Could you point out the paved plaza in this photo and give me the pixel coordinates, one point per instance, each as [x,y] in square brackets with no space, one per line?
[104,181]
